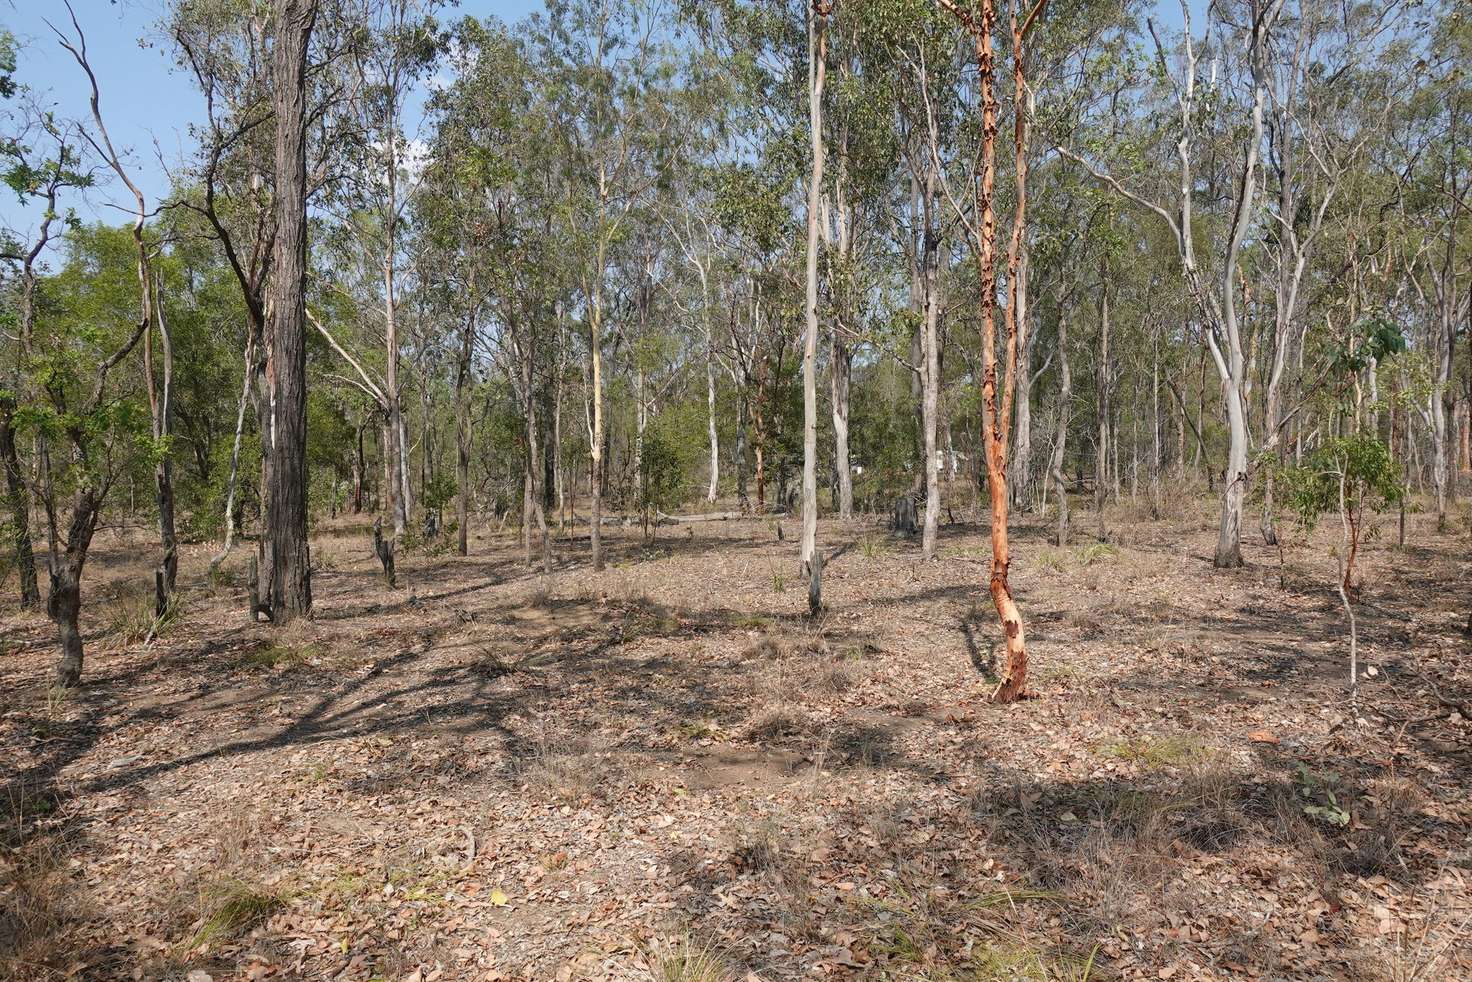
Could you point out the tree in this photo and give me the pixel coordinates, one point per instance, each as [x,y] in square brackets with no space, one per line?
[812,560]
[1216,307]
[1346,475]
[998,395]
[45,177]
[286,367]
[150,315]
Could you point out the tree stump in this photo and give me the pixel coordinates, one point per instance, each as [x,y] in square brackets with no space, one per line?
[903,522]
[384,550]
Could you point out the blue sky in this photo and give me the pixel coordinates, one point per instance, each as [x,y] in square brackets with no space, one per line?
[147,102]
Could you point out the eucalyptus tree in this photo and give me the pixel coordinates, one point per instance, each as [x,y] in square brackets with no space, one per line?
[1331,87]
[1216,304]
[812,559]
[285,443]
[150,316]
[917,47]
[400,49]
[83,413]
[998,394]
[609,73]
[227,185]
[474,159]
[229,182]
[42,156]
[1441,186]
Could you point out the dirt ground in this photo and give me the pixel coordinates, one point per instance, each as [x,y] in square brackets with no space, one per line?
[667,770]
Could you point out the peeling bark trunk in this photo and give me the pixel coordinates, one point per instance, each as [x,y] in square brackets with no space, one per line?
[997,405]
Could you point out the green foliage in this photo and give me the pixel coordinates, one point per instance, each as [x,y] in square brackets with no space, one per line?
[663,486]
[7,64]
[1381,339]
[1364,466]
[1318,790]
[440,491]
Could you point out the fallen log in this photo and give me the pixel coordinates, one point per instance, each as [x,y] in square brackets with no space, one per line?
[715,516]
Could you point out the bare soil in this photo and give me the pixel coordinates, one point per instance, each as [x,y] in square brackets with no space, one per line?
[668,769]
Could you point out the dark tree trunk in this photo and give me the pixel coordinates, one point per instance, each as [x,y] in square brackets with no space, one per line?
[291,584]
[64,605]
[18,505]
[358,464]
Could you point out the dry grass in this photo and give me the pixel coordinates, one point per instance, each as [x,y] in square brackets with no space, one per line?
[688,960]
[568,771]
[759,848]
[38,907]
[773,722]
[130,612]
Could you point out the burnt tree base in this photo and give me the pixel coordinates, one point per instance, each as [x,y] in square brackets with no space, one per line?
[384,550]
[902,521]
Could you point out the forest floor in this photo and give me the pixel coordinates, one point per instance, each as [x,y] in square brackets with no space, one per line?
[667,770]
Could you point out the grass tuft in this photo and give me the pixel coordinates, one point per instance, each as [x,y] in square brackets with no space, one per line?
[688,960]
[130,613]
[282,655]
[1155,753]
[232,907]
[1096,552]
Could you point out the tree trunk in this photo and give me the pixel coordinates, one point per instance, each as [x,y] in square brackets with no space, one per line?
[742,412]
[1060,431]
[1234,482]
[17,502]
[160,397]
[1103,407]
[930,366]
[535,465]
[463,437]
[291,584]
[1022,468]
[358,466]
[595,349]
[817,71]
[64,604]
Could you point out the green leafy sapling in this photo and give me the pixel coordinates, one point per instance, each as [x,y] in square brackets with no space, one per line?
[1345,475]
